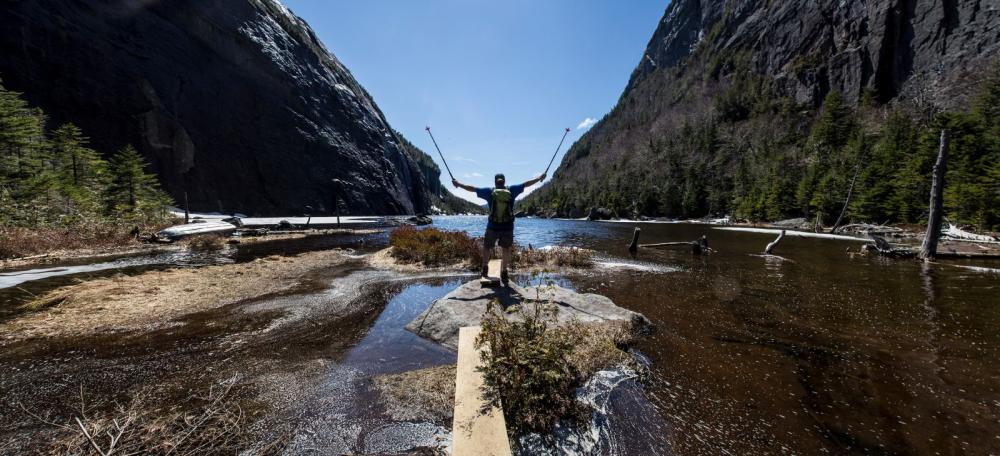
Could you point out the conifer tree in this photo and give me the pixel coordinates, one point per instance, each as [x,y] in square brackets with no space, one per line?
[132,192]
[79,172]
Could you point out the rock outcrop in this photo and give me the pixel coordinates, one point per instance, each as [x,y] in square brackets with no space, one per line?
[467,305]
[235,102]
[908,48]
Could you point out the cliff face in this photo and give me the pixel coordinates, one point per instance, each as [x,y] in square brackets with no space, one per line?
[727,88]
[235,102]
[908,48]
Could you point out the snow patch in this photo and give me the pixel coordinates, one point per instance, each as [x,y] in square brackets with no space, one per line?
[791,233]
[344,88]
[643,267]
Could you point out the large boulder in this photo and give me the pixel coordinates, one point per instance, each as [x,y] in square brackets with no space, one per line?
[600,213]
[467,305]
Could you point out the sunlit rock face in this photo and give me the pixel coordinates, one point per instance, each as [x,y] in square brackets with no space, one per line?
[922,48]
[235,102]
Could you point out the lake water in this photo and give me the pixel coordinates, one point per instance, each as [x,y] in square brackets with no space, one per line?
[812,352]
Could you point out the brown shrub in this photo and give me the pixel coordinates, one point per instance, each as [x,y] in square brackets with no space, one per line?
[18,242]
[534,369]
[434,247]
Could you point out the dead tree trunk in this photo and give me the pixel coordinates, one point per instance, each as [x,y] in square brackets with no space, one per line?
[634,245]
[847,201]
[773,244]
[929,247]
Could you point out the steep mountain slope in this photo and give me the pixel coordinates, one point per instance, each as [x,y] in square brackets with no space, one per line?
[727,105]
[235,102]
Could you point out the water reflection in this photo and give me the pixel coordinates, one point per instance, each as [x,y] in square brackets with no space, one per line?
[818,353]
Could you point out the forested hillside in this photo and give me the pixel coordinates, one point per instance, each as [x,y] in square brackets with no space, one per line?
[769,110]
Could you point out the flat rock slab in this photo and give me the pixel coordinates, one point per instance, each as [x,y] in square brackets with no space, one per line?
[466,306]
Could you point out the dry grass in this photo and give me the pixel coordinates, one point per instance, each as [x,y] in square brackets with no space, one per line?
[207,243]
[420,395]
[554,257]
[434,247]
[212,424]
[600,345]
[123,303]
[18,242]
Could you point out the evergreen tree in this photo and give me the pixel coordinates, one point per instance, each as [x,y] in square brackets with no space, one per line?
[835,125]
[79,172]
[876,184]
[132,192]
[21,141]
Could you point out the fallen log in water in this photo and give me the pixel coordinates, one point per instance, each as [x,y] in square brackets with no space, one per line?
[883,247]
[972,256]
[697,247]
[867,228]
[955,233]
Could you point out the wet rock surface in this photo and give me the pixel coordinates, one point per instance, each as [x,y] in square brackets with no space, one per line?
[467,304]
[235,102]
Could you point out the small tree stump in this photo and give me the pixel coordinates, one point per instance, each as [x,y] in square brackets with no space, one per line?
[633,246]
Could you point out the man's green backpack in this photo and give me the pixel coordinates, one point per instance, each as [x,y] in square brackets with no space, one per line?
[502,210]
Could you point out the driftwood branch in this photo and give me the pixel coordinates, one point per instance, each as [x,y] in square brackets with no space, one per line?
[90,439]
[884,248]
[774,243]
[697,247]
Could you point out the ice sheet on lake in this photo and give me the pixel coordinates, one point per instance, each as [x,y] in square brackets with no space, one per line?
[791,233]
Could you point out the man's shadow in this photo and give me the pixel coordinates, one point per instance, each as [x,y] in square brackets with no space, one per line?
[505,296]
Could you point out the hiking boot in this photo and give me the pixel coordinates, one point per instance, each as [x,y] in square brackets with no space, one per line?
[504,279]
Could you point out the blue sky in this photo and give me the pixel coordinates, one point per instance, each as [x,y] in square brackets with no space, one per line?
[496,81]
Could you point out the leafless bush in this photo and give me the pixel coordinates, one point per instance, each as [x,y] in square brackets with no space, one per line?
[212,424]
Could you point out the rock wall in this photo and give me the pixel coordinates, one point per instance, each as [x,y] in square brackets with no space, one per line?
[235,102]
[897,48]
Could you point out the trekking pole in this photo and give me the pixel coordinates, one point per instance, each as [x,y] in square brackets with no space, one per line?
[556,152]
[439,153]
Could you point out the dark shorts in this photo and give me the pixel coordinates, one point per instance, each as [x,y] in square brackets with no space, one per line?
[506,238]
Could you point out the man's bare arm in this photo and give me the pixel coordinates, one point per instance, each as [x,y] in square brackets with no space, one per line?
[462,186]
[534,180]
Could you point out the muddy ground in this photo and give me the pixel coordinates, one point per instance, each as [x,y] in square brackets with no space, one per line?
[280,326]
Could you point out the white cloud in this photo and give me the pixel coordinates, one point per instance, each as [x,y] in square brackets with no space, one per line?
[464,159]
[586,123]
[473,174]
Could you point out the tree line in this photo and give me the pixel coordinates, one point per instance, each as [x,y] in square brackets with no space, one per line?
[50,177]
[758,158]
